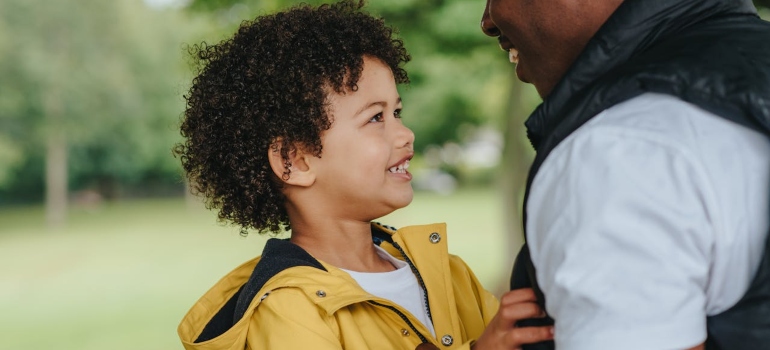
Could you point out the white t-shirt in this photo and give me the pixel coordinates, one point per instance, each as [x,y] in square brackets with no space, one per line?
[650,217]
[399,286]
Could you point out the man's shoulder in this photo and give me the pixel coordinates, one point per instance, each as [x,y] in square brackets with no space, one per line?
[651,112]
[661,117]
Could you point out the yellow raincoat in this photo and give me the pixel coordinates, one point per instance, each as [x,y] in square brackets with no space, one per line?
[305,307]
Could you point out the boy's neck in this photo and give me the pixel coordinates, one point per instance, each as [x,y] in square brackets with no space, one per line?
[345,244]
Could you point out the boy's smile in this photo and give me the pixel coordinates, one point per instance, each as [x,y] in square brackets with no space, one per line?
[401,168]
[362,172]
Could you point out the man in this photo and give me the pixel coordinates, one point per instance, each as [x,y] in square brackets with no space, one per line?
[646,213]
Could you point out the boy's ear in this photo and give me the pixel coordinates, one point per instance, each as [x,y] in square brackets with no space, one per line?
[299,172]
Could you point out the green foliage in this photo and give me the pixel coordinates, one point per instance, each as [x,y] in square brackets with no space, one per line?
[10,156]
[454,68]
[110,75]
[106,74]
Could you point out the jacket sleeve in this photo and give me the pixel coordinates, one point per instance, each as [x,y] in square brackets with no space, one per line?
[488,303]
[286,319]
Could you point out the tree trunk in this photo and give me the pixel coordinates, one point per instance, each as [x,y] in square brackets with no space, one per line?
[516,160]
[56,191]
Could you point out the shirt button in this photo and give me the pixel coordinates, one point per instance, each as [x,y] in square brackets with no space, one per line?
[405,332]
[435,237]
[447,340]
[320,294]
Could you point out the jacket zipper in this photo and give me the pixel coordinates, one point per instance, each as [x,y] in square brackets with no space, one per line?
[419,278]
[403,317]
[424,290]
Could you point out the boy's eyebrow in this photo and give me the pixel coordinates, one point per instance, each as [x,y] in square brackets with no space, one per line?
[378,103]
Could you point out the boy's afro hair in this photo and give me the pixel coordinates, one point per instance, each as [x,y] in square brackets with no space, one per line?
[270,82]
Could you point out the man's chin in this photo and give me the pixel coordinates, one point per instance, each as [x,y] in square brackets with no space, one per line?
[521,74]
[525,78]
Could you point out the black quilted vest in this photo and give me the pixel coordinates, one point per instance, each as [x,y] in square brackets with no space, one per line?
[712,53]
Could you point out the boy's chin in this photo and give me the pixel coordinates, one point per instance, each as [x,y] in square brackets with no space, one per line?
[405,201]
[396,204]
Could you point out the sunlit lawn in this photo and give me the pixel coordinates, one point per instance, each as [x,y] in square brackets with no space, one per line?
[122,277]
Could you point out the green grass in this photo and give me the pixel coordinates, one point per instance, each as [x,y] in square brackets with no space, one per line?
[123,276]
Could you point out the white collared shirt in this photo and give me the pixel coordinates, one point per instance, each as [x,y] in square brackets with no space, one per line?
[650,217]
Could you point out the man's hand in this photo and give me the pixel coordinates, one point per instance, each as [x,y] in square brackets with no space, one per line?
[502,333]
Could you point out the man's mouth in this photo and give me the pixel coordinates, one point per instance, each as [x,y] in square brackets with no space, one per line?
[400,168]
[513,53]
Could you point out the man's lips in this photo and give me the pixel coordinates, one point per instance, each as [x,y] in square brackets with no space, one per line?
[513,53]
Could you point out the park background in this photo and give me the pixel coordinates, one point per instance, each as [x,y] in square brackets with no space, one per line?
[101,244]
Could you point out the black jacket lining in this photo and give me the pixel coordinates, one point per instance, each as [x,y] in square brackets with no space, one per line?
[277,256]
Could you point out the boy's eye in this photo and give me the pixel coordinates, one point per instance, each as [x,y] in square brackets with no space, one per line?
[397,113]
[376,119]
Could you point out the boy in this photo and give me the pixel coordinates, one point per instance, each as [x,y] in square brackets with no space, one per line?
[294,123]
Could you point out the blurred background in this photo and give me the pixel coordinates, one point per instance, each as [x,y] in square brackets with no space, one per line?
[101,245]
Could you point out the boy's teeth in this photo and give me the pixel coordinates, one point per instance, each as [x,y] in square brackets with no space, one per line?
[401,168]
[513,56]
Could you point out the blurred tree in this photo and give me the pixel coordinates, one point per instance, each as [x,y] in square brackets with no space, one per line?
[11,153]
[91,87]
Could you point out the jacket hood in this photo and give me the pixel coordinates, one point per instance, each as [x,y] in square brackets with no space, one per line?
[277,256]
[220,318]
[632,29]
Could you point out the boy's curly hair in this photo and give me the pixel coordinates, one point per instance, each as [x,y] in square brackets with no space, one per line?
[270,82]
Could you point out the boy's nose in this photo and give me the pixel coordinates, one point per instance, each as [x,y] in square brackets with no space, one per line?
[405,136]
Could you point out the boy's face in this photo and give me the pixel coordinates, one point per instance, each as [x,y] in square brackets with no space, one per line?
[362,168]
